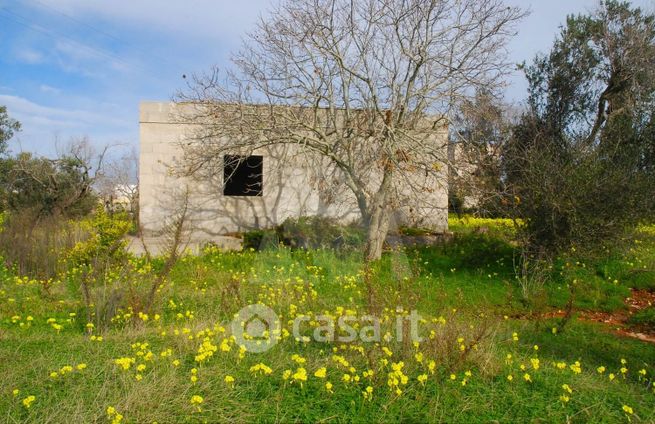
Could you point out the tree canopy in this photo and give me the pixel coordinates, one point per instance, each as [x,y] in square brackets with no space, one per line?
[581,161]
[362,86]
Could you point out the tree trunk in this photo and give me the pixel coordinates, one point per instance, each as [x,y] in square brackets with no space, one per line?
[378,227]
[377,224]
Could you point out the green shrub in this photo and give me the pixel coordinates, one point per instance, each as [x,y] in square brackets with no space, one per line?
[258,239]
[319,232]
[644,318]
[307,233]
[640,279]
[414,231]
[106,238]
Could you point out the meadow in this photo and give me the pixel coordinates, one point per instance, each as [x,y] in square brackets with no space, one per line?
[494,348]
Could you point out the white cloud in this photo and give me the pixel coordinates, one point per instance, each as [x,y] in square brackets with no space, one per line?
[28,112]
[212,19]
[80,58]
[43,125]
[49,90]
[29,56]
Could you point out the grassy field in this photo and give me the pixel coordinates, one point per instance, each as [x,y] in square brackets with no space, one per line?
[492,347]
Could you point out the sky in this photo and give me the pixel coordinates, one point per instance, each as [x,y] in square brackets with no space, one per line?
[79,68]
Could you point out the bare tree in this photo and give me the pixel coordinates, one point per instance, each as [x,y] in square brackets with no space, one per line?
[362,87]
[119,181]
[479,131]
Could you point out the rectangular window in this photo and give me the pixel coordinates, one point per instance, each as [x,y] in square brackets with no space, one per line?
[242,175]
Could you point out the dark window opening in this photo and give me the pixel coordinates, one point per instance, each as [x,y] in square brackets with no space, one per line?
[242,175]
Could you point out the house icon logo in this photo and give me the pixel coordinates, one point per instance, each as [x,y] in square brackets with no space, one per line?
[256,327]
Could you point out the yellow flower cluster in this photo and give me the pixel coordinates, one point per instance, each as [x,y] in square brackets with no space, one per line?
[261,368]
[206,350]
[197,400]
[67,369]
[113,415]
[396,378]
[27,402]
[125,363]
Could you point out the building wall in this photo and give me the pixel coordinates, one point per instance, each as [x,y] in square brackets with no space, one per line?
[291,187]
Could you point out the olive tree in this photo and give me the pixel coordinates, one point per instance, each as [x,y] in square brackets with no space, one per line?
[580,166]
[42,187]
[360,87]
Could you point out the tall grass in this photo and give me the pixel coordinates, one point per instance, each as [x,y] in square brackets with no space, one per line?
[34,245]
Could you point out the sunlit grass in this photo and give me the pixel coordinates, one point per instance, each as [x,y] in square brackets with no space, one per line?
[481,360]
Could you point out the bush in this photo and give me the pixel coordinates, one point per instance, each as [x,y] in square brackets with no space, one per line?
[116,287]
[259,239]
[319,232]
[415,231]
[106,240]
[644,319]
[307,233]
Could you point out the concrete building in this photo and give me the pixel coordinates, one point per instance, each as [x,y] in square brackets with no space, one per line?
[259,191]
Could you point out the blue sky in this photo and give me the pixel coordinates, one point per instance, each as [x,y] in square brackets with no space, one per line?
[72,68]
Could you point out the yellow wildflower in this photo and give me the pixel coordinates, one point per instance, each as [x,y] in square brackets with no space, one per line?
[298,359]
[261,367]
[300,375]
[368,393]
[27,402]
[125,363]
[113,415]
[197,400]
